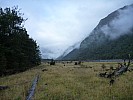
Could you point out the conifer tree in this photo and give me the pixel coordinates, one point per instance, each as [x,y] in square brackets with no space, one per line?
[18,51]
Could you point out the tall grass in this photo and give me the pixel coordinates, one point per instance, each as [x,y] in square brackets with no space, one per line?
[69,82]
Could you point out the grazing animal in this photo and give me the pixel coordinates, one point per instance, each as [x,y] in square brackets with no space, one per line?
[103,66]
[79,62]
[52,62]
[110,75]
[75,63]
[45,70]
[112,82]
[4,87]
[46,84]
[102,74]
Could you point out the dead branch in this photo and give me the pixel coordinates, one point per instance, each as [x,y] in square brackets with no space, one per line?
[32,89]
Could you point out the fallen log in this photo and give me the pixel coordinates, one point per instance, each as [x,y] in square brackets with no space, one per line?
[32,89]
[122,69]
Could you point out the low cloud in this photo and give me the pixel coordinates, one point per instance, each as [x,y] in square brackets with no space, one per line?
[58,24]
[120,25]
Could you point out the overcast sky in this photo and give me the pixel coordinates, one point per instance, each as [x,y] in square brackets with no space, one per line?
[58,24]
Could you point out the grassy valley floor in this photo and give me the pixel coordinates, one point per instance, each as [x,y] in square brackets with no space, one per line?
[69,82]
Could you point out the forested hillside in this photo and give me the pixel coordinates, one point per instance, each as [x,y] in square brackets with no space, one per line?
[112,38]
[18,51]
[111,49]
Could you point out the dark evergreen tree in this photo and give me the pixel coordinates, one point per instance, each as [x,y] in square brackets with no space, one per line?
[18,51]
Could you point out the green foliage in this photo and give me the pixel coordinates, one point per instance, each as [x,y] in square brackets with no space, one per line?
[118,48]
[111,49]
[18,51]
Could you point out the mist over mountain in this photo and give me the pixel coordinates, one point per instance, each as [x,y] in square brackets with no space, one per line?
[112,38]
[46,53]
[121,24]
[68,50]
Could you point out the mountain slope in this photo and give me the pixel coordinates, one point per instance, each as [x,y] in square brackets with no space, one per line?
[71,49]
[110,39]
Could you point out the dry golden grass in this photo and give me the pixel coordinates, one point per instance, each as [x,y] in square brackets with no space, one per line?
[19,85]
[69,82]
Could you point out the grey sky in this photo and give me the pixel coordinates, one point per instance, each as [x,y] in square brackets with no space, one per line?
[58,24]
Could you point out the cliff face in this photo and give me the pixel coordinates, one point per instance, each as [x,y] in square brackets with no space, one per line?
[101,43]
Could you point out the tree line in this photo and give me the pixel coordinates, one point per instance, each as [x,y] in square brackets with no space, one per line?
[18,51]
[111,49]
[118,48]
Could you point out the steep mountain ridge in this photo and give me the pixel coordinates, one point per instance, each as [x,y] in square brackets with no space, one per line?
[117,25]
